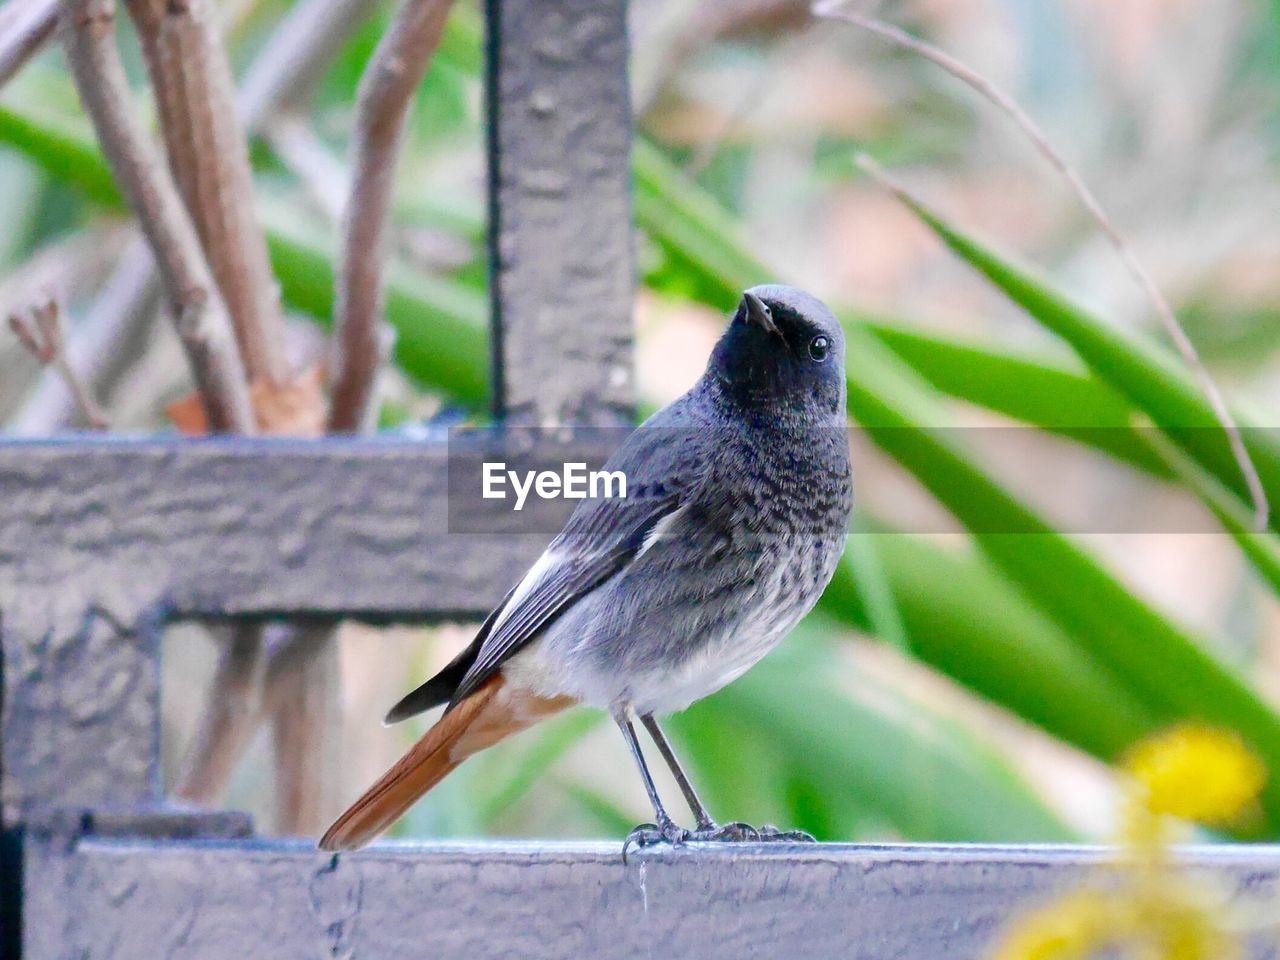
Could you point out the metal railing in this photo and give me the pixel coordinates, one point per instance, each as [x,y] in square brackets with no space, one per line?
[104,542]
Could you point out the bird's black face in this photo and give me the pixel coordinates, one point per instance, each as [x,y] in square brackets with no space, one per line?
[783,348]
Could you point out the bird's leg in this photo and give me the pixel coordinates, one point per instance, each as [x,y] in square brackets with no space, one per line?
[707,829]
[663,829]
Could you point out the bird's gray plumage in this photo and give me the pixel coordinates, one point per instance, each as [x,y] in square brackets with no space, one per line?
[738,500]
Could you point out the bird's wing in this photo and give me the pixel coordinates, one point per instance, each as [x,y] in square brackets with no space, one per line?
[601,538]
[440,688]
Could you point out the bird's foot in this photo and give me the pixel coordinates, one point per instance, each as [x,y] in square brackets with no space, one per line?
[650,834]
[771,834]
[736,832]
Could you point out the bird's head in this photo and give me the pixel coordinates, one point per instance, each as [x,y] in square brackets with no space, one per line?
[784,348]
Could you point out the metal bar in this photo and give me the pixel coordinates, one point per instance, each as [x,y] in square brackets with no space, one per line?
[80,704]
[560,210]
[205,900]
[246,528]
[104,541]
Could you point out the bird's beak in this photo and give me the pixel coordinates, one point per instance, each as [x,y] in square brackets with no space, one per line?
[759,314]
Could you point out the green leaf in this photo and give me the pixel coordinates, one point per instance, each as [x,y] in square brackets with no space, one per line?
[1174,675]
[698,237]
[965,619]
[867,751]
[553,739]
[863,561]
[608,816]
[64,148]
[441,328]
[1162,666]
[1055,396]
[1152,379]
[1262,549]
[671,209]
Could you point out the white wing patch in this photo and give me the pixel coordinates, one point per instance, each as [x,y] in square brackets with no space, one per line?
[547,561]
[660,530]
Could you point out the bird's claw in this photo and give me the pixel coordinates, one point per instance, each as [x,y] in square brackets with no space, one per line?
[736,832]
[771,834]
[649,834]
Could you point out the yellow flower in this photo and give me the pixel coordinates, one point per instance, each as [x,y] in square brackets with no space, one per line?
[1196,772]
[1074,926]
[1191,772]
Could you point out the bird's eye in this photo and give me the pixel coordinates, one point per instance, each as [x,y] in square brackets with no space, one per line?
[819,347]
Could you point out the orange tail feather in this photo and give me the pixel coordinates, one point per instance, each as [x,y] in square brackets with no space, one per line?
[492,713]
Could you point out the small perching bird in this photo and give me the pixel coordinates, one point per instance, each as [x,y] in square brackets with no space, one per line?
[737,505]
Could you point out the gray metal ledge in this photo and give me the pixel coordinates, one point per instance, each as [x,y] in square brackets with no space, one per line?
[449,901]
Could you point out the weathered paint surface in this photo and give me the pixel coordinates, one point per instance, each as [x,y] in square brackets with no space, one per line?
[560,208]
[222,899]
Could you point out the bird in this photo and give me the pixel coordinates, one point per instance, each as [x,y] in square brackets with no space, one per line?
[737,506]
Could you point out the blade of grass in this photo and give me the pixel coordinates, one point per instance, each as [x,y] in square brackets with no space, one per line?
[699,237]
[1128,256]
[964,619]
[441,329]
[1055,396]
[538,756]
[612,821]
[1262,549]
[1151,379]
[441,324]
[847,743]
[862,553]
[1173,673]
[879,394]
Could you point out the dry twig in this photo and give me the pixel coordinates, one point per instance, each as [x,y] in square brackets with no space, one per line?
[382,107]
[835,9]
[223,734]
[98,347]
[88,28]
[320,172]
[40,331]
[301,692]
[282,74]
[25,27]
[294,58]
[209,157]
[303,700]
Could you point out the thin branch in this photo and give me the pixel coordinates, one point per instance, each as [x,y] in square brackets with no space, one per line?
[321,173]
[40,331]
[25,27]
[69,267]
[295,56]
[302,691]
[95,347]
[382,107]
[88,28]
[290,675]
[209,157]
[282,75]
[230,718]
[1010,107]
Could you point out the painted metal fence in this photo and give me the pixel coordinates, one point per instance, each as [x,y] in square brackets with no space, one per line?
[105,542]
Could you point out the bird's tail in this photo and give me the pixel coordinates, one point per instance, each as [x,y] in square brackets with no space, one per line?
[492,713]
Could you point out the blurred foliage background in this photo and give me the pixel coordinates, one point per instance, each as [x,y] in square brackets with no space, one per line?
[972,672]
